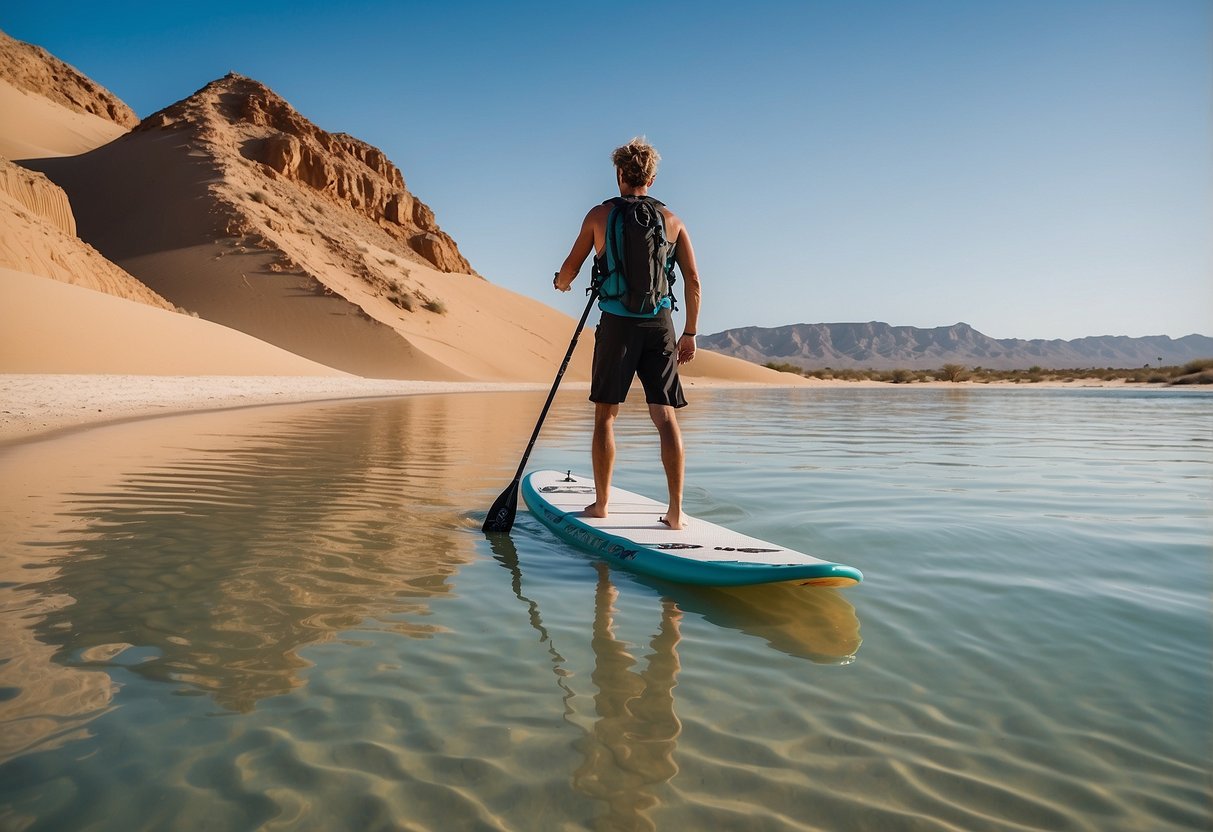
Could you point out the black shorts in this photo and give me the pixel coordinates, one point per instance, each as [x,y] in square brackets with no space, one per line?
[628,347]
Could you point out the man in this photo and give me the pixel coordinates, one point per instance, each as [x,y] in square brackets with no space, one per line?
[628,345]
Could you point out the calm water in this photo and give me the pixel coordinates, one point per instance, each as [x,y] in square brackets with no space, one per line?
[288,618]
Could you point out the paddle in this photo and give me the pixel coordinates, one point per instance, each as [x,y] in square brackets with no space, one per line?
[501,515]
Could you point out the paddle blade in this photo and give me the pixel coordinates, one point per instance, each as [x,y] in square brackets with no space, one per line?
[501,515]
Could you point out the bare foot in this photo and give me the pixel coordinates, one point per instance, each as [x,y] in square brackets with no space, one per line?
[592,510]
[674,523]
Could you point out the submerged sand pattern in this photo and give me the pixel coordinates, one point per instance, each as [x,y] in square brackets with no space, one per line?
[303,624]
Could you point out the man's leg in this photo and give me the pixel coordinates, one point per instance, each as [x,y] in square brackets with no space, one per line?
[672,459]
[602,451]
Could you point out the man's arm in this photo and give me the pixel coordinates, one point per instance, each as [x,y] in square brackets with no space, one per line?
[582,247]
[684,256]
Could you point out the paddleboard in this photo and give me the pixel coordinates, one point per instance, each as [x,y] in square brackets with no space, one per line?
[699,553]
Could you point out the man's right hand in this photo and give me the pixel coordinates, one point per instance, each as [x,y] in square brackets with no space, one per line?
[686,348]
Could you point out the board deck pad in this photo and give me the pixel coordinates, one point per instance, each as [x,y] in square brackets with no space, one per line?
[699,553]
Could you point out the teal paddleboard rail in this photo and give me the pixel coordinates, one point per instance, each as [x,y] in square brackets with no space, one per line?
[666,563]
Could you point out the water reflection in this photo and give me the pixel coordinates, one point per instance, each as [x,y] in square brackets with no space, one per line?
[207,554]
[506,554]
[480,727]
[810,623]
[45,705]
[211,568]
[629,752]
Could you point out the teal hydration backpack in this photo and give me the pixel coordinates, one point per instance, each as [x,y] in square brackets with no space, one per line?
[637,267]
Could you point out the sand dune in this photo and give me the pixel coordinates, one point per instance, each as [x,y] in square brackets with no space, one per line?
[48,108]
[309,241]
[299,251]
[30,67]
[32,127]
[181,209]
[38,236]
[92,332]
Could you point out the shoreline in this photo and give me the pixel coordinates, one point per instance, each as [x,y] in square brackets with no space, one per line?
[36,406]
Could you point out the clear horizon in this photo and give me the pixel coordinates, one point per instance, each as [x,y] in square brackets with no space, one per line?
[1032,169]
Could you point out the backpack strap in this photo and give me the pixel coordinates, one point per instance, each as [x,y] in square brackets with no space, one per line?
[604,263]
[607,263]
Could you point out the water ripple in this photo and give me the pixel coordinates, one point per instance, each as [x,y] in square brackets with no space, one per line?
[289,619]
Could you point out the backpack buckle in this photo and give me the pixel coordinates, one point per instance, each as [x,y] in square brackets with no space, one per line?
[597,276]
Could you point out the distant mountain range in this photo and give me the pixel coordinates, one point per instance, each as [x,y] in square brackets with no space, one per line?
[879,346]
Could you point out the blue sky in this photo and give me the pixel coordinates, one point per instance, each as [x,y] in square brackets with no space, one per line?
[1035,168]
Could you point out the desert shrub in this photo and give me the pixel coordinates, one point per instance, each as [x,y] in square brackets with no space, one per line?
[404,301]
[259,196]
[1196,366]
[436,306]
[953,372]
[283,263]
[900,376]
[1203,377]
[784,367]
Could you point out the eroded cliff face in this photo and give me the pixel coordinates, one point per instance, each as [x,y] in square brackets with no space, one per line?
[38,195]
[32,68]
[240,115]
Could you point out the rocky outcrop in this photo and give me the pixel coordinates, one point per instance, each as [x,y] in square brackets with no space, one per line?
[879,346]
[344,169]
[32,68]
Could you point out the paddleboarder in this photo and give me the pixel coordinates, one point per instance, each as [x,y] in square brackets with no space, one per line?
[635,339]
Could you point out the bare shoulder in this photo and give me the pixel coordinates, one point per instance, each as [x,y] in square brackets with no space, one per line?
[596,217]
[593,227]
[674,226]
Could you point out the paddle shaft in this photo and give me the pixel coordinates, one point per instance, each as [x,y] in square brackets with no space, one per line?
[501,516]
[564,365]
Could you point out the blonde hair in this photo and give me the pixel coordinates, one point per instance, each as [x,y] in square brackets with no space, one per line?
[637,162]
